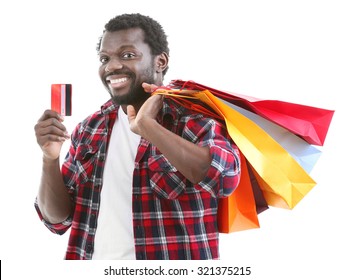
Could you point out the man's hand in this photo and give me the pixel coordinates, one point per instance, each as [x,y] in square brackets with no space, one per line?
[147,112]
[51,134]
[190,159]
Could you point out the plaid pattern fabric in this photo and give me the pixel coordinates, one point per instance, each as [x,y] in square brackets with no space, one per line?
[172,218]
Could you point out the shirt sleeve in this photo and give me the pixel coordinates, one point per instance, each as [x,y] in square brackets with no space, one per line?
[59,228]
[223,175]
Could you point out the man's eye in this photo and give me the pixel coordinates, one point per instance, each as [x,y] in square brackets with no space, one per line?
[103,59]
[129,55]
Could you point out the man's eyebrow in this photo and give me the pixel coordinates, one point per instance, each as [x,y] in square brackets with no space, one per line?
[121,48]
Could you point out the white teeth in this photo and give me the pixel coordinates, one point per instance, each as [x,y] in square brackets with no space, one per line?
[120,80]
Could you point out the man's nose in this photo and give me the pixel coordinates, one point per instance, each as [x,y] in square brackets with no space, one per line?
[113,65]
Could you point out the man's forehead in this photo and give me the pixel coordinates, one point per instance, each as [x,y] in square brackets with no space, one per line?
[130,34]
[131,38]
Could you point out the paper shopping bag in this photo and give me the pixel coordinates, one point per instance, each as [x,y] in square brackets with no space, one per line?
[304,153]
[238,211]
[281,174]
[309,123]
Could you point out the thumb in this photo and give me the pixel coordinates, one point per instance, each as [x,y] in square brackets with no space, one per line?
[131,113]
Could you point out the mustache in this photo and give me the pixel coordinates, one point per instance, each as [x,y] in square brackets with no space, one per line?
[119,72]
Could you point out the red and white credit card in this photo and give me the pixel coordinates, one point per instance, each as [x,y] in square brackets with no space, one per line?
[61,99]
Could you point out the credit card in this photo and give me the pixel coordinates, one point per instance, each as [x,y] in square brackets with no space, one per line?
[61,99]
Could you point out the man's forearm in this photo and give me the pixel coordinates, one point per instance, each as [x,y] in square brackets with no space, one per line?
[190,159]
[53,198]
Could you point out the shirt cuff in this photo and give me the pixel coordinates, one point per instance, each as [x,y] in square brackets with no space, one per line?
[59,228]
[223,174]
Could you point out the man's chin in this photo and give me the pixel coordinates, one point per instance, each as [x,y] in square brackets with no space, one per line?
[130,100]
[133,96]
[119,100]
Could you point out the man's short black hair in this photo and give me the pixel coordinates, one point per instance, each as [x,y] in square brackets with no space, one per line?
[154,34]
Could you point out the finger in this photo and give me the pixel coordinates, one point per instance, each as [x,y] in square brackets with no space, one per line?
[51,114]
[157,97]
[48,140]
[131,113]
[176,92]
[50,122]
[53,130]
[149,87]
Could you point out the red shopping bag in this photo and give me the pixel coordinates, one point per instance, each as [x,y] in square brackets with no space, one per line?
[309,123]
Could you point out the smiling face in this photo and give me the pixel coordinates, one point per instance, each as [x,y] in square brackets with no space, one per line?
[126,62]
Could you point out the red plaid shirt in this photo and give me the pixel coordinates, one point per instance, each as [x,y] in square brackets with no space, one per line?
[172,217]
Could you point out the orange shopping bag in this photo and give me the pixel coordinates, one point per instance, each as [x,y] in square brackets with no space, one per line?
[238,211]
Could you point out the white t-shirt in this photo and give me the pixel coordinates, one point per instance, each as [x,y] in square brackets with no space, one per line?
[114,238]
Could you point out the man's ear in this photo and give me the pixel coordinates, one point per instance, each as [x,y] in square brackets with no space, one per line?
[161,61]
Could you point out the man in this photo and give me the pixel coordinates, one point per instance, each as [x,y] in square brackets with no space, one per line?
[143,175]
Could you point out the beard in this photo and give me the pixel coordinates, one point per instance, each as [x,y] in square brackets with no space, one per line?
[136,93]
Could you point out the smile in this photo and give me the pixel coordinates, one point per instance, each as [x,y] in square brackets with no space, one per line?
[117,82]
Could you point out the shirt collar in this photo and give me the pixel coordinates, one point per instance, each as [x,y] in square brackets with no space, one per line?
[108,107]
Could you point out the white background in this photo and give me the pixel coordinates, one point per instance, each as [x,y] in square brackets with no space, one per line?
[297,51]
